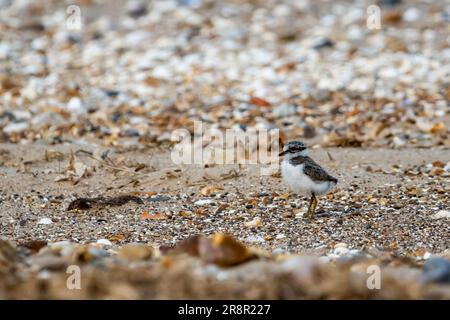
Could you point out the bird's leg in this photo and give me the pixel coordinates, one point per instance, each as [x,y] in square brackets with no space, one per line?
[314,204]
[309,212]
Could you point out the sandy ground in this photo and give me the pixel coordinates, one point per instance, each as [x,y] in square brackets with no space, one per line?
[376,205]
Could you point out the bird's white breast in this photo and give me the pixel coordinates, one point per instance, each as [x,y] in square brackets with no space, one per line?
[300,183]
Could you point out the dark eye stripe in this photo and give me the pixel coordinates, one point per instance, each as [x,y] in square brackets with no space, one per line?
[292,150]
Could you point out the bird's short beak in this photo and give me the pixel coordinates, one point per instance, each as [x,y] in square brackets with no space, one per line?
[282,153]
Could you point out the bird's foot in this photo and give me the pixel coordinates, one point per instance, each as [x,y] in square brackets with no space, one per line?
[308,216]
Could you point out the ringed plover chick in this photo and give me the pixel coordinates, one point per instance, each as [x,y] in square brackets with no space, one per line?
[303,175]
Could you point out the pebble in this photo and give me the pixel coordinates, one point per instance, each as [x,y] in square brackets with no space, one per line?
[47,118]
[389,2]
[255,239]
[302,267]
[436,270]
[204,202]
[158,198]
[135,252]
[320,94]
[255,223]
[411,15]
[427,255]
[399,142]
[323,43]
[15,127]
[447,167]
[277,251]
[340,251]
[191,3]
[47,262]
[131,132]
[324,259]
[59,244]
[442,214]
[136,8]
[341,245]
[43,275]
[76,106]
[299,215]
[45,221]
[104,242]
[284,110]
[65,248]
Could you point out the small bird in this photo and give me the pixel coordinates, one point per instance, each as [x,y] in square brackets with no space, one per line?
[304,175]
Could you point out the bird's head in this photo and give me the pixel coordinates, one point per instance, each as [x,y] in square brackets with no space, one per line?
[294,148]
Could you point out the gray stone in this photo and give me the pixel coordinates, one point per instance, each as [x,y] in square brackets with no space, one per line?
[436,270]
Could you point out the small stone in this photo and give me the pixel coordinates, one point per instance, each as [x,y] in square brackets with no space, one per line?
[399,142]
[43,275]
[204,202]
[389,3]
[441,214]
[255,223]
[135,252]
[255,239]
[302,267]
[45,221]
[341,251]
[158,198]
[277,251]
[411,15]
[285,110]
[320,94]
[112,93]
[47,118]
[447,167]
[15,127]
[5,3]
[436,270]
[104,242]
[300,215]
[48,262]
[76,106]
[131,132]
[324,259]
[190,3]
[136,9]
[323,43]
[287,214]
[223,250]
[424,125]
[427,255]
[60,244]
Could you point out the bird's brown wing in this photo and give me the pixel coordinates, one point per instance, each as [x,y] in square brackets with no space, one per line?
[312,169]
